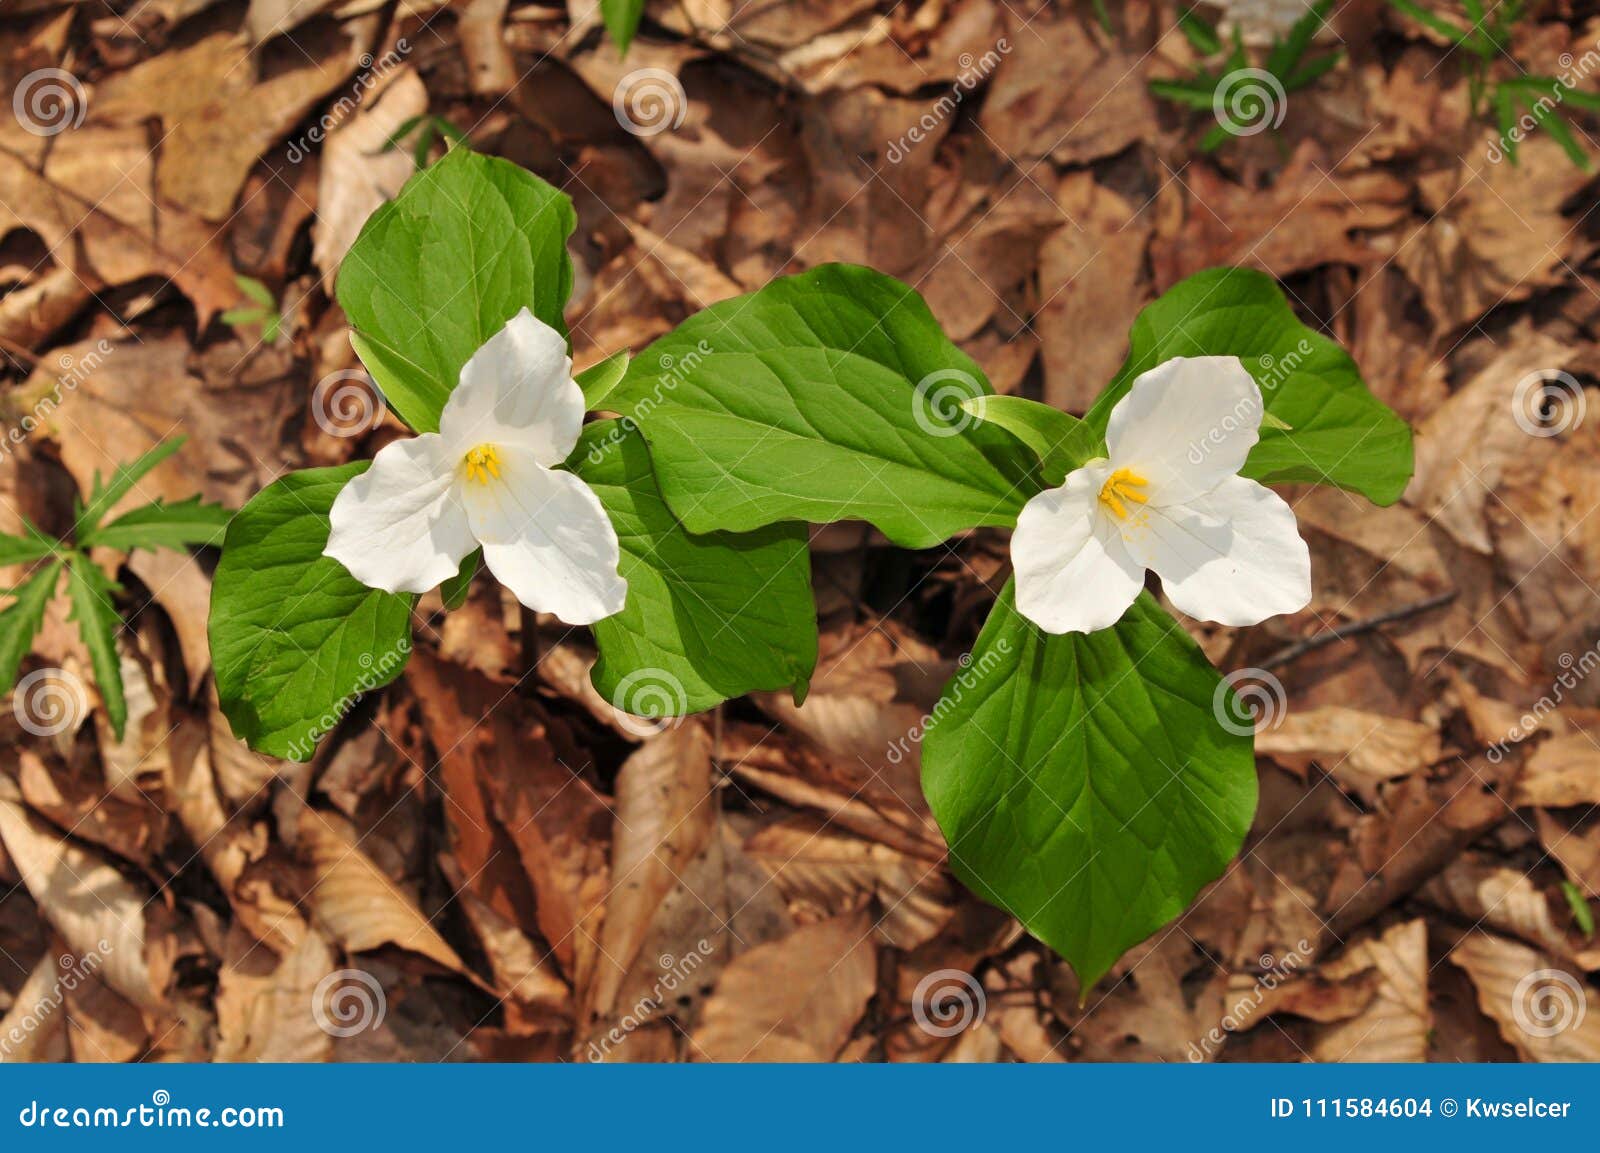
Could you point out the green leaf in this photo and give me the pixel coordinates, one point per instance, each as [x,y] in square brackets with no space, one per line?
[1202,36]
[832,395]
[33,546]
[707,617]
[20,621]
[598,380]
[95,611]
[1582,915]
[454,591]
[622,21]
[1440,25]
[467,244]
[1198,93]
[1061,442]
[256,291]
[1339,433]
[293,635]
[1083,781]
[161,525]
[103,497]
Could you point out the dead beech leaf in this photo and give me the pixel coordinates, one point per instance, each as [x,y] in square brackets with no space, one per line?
[96,911]
[1394,1027]
[1358,749]
[34,1027]
[272,1015]
[1562,771]
[1545,1012]
[1065,92]
[666,812]
[830,873]
[1499,898]
[357,175]
[356,902]
[217,117]
[796,999]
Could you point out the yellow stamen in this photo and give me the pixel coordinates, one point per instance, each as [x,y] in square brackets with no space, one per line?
[482,463]
[1123,485]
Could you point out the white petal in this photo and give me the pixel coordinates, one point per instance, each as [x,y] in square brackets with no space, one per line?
[1185,425]
[397,527]
[1233,556]
[1073,573]
[547,538]
[517,390]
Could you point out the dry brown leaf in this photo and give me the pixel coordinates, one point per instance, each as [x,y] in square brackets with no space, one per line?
[1394,1027]
[358,905]
[96,911]
[1547,1013]
[796,999]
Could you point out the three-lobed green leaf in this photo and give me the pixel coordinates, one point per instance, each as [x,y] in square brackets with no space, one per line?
[708,617]
[1083,781]
[468,243]
[1336,431]
[831,395]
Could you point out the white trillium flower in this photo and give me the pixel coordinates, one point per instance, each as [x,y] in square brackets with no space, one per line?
[1168,499]
[488,477]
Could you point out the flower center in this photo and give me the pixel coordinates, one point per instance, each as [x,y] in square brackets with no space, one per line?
[1120,488]
[483,462]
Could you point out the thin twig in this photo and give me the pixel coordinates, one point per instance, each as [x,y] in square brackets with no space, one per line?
[1355,628]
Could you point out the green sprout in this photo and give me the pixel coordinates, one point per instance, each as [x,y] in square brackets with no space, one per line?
[158,524]
[426,131]
[264,312]
[1256,93]
[1485,39]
